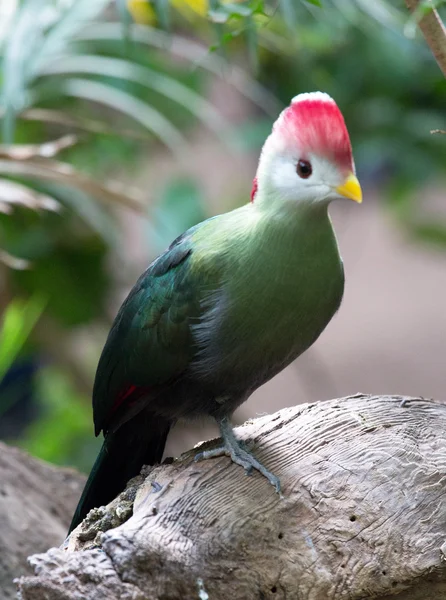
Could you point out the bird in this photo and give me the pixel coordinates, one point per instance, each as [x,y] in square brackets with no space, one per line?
[228,305]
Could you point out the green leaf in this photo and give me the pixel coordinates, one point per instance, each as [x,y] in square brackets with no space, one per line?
[25,34]
[18,321]
[288,8]
[219,16]
[73,277]
[241,10]
[252,42]
[37,35]
[229,10]
[63,433]
[161,83]
[126,20]
[433,233]
[91,211]
[125,103]
[194,52]
[162,12]
[180,206]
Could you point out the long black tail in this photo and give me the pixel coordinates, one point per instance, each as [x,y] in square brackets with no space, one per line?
[137,442]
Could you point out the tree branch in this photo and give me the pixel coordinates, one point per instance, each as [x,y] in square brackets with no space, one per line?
[434,32]
[37,501]
[362,516]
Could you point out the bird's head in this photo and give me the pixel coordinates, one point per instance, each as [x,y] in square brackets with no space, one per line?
[308,156]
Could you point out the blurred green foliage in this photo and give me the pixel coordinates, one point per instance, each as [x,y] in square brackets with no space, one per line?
[62,433]
[180,206]
[119,89]
[18,321]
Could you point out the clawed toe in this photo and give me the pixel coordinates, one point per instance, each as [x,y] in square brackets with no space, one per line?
[239,454]
[212,453]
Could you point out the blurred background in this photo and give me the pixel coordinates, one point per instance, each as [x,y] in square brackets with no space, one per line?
[123,123]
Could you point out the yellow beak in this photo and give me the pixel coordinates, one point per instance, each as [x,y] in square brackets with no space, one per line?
[351,189]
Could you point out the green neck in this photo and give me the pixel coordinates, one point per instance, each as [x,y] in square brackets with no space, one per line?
[294,238]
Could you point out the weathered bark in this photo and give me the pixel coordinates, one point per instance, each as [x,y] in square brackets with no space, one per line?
[363,515]
[433,30]
[36,503]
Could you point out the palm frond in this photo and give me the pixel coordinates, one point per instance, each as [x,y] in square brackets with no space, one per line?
[125,103]
[64,119]
[13,193]
[197,54]
[37,32]
[45,150]
[130,71]
[63,173]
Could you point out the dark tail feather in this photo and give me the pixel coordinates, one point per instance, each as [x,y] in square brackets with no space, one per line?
[137,442]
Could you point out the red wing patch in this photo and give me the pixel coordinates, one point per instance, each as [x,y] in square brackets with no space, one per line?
[125,394]
[123,407]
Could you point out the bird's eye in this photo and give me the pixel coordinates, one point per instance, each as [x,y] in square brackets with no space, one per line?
[304,169]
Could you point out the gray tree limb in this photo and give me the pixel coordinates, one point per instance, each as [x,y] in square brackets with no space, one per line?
[37,501]
[433,30]
[363,515]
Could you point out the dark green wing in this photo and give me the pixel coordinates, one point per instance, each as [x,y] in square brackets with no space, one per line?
[150,342]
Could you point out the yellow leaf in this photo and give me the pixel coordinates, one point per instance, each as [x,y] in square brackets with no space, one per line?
[142,11]
[197,6]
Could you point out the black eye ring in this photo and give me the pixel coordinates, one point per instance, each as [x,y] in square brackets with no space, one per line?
[304,168]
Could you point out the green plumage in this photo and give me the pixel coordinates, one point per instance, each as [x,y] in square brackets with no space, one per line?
[229,304]
[226,307]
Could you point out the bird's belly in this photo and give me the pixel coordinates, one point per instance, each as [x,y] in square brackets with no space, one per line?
[269,348]
[260,335]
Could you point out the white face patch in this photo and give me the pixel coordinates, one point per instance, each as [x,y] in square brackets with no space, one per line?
[278,176]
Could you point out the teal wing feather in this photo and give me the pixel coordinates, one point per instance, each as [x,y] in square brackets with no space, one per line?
[150,343]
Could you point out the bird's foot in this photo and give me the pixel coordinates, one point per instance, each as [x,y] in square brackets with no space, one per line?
[238,454]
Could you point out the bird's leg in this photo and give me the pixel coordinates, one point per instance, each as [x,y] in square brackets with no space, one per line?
[233,448]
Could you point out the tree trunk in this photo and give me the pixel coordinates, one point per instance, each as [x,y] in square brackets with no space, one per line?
[363,515]
[37,501]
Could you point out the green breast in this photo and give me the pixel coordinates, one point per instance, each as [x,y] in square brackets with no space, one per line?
[282,284]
